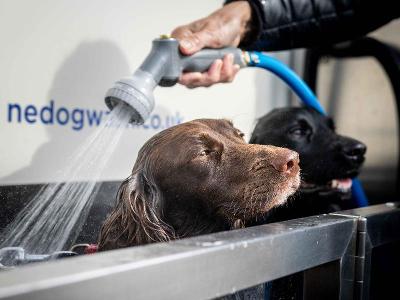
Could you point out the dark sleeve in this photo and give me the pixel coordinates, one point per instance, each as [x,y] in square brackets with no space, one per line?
[287,24]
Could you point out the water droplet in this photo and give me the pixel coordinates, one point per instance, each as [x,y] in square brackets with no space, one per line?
[209,244]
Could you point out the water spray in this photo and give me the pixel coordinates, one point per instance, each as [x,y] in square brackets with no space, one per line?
[164,65]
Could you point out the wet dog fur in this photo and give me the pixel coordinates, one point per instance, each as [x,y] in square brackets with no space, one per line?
[195,178]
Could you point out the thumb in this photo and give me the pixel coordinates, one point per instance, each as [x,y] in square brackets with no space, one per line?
[194,42]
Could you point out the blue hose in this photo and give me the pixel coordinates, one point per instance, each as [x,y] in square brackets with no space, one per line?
[260,60]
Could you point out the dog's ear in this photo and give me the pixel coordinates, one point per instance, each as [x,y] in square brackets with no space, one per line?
[136,219]
[253,139]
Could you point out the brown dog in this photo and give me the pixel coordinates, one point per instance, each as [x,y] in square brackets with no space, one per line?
[196,178]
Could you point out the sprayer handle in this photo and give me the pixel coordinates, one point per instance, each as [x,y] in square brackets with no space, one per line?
[202,60]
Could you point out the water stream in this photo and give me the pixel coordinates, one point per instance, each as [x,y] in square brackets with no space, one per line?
[57,212]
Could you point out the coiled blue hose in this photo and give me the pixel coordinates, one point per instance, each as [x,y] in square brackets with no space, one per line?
[260,60]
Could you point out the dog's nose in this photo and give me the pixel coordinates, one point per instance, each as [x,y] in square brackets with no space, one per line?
[355,151]
[286,161]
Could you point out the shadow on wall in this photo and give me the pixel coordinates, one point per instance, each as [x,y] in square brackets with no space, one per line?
[80,81]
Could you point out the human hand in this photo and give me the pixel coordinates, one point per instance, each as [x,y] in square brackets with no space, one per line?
[225,27]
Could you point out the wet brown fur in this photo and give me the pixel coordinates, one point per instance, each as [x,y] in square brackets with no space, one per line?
[195,178]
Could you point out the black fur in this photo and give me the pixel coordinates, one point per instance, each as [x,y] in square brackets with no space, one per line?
[324,156]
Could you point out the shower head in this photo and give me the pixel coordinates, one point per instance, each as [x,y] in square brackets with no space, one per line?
[163,66]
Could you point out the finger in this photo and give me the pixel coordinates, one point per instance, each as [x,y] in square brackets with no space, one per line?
[187,79]
[181,32]
[213,73]
[185,37]
[227,71]
[192,39]
[207,37]
[195,79]
[191,43]
[236,69]
[208,78]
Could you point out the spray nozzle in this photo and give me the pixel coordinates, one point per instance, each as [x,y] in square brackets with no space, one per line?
[163,66]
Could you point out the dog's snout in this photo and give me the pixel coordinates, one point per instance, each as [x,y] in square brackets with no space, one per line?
[287,161]
[355,151]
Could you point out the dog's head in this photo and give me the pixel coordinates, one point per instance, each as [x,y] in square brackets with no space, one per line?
[199,170]
[328,160]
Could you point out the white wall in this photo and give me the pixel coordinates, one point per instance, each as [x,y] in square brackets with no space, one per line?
[71,52]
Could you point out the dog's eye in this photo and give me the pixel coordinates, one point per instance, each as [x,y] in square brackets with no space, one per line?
[241,134]
[205,152]
[212,152]
[299,131]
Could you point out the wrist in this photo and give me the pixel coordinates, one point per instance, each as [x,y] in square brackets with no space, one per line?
[249,18]
[242,10]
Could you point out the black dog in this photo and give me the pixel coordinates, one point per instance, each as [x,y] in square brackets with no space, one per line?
[328,161]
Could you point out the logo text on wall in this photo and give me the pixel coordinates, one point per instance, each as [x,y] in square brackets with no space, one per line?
[75,118]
